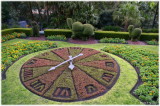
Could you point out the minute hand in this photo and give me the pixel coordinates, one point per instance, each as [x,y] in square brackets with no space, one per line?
[52,68]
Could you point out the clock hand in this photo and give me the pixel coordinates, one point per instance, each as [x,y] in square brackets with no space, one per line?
[71,66]
[52,68]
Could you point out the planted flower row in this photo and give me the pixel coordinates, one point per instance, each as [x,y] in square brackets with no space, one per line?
[13,36]
[147,63]
[10,53]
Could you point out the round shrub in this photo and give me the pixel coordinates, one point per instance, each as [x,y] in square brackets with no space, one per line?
[88,30]
[77,26]
[77,29]
[136,33]
[69,22]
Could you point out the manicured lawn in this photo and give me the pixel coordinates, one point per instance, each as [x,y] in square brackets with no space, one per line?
[13,92]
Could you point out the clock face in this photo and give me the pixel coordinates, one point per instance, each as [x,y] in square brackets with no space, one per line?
[93,75]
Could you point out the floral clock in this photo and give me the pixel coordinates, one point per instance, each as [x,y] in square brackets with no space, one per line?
[70,74]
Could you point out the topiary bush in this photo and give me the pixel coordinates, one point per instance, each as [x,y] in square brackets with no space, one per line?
[69,22]
[35,28]
[87,31]
[134,33]
[77,29]
[82,31]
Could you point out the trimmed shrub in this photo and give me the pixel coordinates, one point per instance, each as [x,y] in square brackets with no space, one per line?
[111,28]
[130,29]
[136,33]
[69,22]
[111,34]
[27,31]
[124,35]
[35,28]
[57,37]
[49,32]
[113,40]
[88,31]
[153,30]
[77,29]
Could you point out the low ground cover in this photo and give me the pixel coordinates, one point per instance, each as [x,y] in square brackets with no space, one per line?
[57,37]
[112,40]
[152,42]
[147,63]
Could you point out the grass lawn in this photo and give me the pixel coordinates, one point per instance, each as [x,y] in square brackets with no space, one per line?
[13,92]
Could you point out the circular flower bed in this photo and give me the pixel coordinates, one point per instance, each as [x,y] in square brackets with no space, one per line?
[94,73]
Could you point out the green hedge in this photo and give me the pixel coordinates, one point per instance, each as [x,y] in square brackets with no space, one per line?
[102,34]
[27,31]
[111,34]
[153,30]
[124,35]
[65,32]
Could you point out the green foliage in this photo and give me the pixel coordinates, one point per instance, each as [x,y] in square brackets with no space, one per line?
[13,36]
[88,30]
[57,37]
[111,28]
[128,13]
[49,32]
[147,62]
[152,42]
[69,22]
[136,33]
[111,34]
[77,29]
[112,40]
[4,26]
[77,26]
[13,52]
[130,29]
[82,31]
[35,28]
[105,19]
[153,30]
[27,31]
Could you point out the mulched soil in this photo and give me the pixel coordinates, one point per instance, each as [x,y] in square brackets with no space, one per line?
[41,37]
[78,41]
[136,43]
[89,41]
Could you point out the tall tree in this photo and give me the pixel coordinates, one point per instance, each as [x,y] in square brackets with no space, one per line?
[128,13]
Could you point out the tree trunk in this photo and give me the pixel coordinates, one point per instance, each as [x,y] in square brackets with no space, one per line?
[39,11]
[156,12]
[126,26]
[47,12]
[30,9]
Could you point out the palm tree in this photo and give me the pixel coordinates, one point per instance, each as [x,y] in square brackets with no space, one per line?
[128,13]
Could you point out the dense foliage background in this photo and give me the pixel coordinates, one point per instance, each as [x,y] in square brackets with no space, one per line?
[50,14]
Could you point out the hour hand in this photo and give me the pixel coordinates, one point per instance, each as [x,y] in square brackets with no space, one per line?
[52,68]
[71,66]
